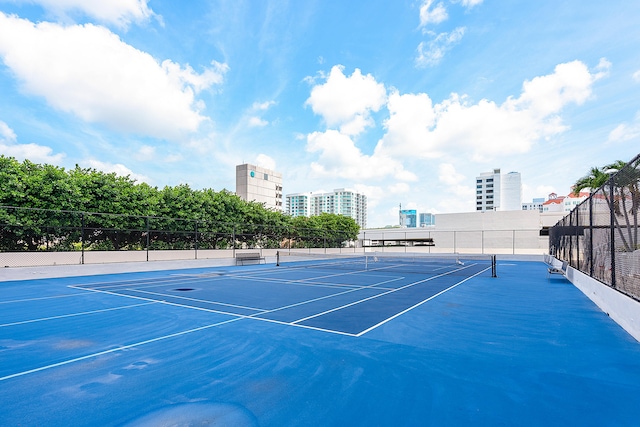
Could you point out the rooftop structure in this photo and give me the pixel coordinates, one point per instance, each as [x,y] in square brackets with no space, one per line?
[258,184]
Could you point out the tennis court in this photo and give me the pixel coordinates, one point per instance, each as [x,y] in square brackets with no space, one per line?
[352,341]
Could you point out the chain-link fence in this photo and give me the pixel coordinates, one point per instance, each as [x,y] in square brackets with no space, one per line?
[72,237]
[600,236]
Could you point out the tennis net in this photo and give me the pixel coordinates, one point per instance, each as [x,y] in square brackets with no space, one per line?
[419,263]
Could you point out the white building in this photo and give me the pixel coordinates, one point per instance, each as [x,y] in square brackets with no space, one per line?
[498,192]
[557,203]
[573,200]
[536,205]
[341,201]
[298,204]
[258,184]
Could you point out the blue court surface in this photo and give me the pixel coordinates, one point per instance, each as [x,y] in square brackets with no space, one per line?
[264,345]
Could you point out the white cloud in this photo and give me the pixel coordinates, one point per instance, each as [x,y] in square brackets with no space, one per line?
[266,162]
[636,76]
[117,168]
[429,15]
[339,157]
[541,191]
[257,122]
[347,102]
[625,131]
[145,152]
[470,3]
[6,133]
[484,130]
[262,106]
[118,12]
[32,152]
[448,175]
[431,53]
[88,71]
[456,190]
[398,188]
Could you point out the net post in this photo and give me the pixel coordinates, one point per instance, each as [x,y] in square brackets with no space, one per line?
[277,258]
[494,263]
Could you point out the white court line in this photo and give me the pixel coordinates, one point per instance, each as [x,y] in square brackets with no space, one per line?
[237,316]
[378,296]
[295,323]
[279,322]
[419,304]
[62,316]
[311,282]
[252,316]
[320,298]
[163,302]
[43,298]
[120,348]
[137,283]
[199,300]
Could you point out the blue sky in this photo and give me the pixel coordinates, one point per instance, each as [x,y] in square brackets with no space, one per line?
[406,100]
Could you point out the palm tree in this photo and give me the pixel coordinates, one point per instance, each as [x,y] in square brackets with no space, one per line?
[625,181]
[597,177]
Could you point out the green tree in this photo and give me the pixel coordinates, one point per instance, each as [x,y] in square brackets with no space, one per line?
[48,207]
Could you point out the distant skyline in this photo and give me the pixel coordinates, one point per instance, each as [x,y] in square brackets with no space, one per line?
[405,101]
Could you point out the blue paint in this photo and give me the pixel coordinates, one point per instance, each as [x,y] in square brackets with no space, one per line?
[516,350]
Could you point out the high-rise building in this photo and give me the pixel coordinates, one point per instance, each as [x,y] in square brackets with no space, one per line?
[498,192]
[258,184]
[510,192]
[341,201]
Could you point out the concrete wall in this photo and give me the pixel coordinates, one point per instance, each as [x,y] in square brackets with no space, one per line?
[623,310]
[496,232]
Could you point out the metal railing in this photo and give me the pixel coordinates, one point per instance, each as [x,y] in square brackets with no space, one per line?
[600,236]
[503,242]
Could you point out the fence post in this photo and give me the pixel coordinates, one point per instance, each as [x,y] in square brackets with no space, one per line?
[324,241]
[577,211]
[148,236]
[613,232]
[590,236]
[196,238]
[82,239]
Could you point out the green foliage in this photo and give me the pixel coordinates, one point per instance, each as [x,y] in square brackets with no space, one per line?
[46,207]
[597,177]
